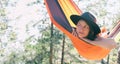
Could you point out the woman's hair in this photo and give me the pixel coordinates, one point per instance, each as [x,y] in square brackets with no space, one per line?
[91,35]
[94,31]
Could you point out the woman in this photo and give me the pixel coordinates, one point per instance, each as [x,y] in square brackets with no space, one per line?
[88,30]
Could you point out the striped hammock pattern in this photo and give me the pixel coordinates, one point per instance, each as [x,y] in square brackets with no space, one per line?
[59,12]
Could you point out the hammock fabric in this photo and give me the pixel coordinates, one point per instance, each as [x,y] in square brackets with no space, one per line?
[59,12]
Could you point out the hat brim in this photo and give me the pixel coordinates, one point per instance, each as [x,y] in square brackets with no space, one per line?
[75,19]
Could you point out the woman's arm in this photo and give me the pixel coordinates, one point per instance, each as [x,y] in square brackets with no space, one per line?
[103,42]
[99,41]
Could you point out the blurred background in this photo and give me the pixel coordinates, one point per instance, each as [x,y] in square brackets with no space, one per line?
[28,37]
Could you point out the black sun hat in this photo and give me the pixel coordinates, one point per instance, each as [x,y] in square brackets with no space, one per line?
[89,19]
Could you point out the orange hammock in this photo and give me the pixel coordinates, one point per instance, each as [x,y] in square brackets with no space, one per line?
[59,12]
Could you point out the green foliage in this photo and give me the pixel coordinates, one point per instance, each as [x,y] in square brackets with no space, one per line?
[35,49]
[117,38]
[2,12]
[3,27]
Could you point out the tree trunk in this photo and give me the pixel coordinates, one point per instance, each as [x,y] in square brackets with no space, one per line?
[51,44]
[102,61]
[108,59]
[63,45]
[118,59]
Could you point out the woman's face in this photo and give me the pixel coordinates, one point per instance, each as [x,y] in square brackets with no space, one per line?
[82,28]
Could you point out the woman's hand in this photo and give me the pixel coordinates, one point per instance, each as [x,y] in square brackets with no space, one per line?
[74,32]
